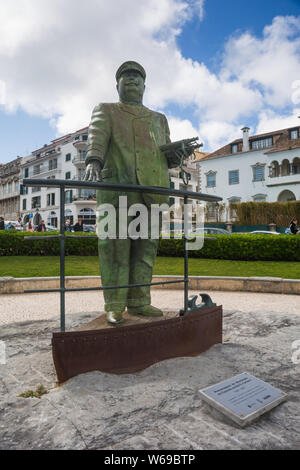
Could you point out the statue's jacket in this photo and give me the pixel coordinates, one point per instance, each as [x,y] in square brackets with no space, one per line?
[125,140]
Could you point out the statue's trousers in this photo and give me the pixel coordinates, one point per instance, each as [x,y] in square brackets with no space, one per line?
[125,261]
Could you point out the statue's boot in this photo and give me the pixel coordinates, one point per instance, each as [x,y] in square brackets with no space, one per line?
[146,310]
[114,318]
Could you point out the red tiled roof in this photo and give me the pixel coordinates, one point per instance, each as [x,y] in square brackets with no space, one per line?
[281,142]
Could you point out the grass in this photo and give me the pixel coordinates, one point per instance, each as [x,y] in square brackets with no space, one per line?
[47,266]
[41,390]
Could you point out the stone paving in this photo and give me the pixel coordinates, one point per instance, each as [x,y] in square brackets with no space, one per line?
[160,407]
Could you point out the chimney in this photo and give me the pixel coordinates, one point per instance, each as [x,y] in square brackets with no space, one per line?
[245,138]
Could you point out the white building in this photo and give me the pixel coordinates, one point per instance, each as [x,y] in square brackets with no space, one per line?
[64,158]
[9,190]
[194,182]
[263,167]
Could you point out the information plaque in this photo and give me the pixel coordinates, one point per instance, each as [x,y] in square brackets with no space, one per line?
[243,398]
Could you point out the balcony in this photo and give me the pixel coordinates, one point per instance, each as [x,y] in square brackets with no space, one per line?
[80,144]
[44,172]
[79,161]
[292,178]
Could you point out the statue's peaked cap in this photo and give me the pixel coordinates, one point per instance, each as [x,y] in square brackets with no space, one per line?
[130,65]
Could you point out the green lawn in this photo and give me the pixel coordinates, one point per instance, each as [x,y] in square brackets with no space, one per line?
[44,266]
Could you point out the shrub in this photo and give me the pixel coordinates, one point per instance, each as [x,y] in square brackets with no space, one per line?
[235,247]
[12,243]
[239,247]
[262,213]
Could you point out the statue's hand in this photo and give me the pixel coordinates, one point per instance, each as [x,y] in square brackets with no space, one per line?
[93,171]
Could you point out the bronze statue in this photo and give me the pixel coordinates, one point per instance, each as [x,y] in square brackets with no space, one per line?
[124,142]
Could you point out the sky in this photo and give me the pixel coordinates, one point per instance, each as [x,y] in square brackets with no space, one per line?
[212,67]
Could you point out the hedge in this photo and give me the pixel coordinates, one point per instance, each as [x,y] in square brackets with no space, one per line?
[263,213]
[239,247]
[235,247]
[12,243]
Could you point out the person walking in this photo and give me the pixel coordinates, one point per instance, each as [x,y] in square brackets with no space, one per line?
[2,224]
[78,227]
[42,227]
[29,226]
[293,226]
[19,224]
[67,226]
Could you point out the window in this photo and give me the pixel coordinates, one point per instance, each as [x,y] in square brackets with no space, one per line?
[68,175]
[234,148]
[26,172]
[85,137]
[259,197]
[258,172]
[16,186]
[36,202]
[172,199]
[36,169]
[69,196]
[211,179]
[51,199]
[262,143]
[53,164]
[35,189]
[10,187]
[294,134]
[4,189]
[68,157]
[24,204]
[211,210]
[234,177]
[24,190]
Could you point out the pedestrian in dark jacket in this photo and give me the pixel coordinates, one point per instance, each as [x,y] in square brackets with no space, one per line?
[79,226]
[2,224]
[293,226]
[42,227]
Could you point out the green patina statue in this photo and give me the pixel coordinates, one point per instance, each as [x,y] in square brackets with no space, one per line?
[123,147]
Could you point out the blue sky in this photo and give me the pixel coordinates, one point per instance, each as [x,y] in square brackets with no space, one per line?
[212,66]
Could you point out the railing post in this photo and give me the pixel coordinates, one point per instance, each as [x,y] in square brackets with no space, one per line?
[186,259]
[62,258]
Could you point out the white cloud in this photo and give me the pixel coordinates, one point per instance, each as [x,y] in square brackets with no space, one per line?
[58,59]
[271,63]
[269,121]
[218,133]
[181,129]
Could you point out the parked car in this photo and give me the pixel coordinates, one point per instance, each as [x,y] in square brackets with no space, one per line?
[10,225]
[264,232]
[210,231]
[51,228]
[89,228]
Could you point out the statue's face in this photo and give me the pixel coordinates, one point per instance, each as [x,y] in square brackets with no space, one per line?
[131,86]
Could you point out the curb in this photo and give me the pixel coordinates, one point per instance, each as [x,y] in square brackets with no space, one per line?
[274,285]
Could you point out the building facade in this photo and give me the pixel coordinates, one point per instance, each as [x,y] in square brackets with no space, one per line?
[194,184]
[263,167]
[10,190]
[63,159]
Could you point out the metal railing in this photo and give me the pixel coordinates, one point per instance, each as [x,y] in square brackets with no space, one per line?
[63,184]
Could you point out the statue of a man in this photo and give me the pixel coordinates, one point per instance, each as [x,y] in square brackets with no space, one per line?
[123,147]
